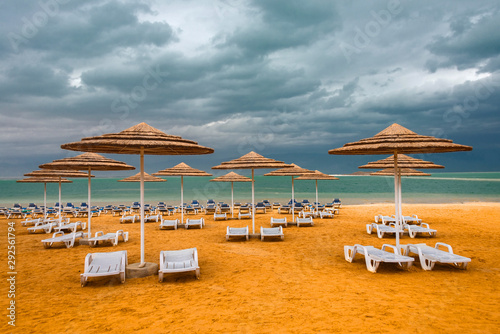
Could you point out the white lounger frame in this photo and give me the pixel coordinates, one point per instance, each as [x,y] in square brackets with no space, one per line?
[374,256]
[108,237]
[104,264]
[278,222]
[237,232]
[429,256]
[68,239]
[200,222]
[169,223]
[271,233]
[177,261]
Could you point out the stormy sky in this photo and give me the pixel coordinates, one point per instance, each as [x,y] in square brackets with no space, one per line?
[289,79]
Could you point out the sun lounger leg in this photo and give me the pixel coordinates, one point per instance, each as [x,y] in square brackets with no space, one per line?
[426,264]
[198,273]
[371,265]
[369,228]
[380,234]
[83,280]
[461,265]
[349,253]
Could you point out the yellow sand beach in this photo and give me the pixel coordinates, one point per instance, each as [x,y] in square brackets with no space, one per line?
[300,285]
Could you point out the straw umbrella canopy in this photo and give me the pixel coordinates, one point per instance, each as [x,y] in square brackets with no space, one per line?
[251,161]
[88,162]
[147,178]
[402,172]
[404,161]
[316,175]
[139,139]
[232,177]
[397,139]
[181,170]
[58,174]
[44,180]
[292,171]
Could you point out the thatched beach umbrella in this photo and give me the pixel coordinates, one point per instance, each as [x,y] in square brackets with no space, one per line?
[316,175]
[147,178]
[232,177]
[404,161]
[44,180]
[58,174]
[402,172]
[88,162]
[139,139]
[292,171]
[181,170]
[251,161]
[397,139]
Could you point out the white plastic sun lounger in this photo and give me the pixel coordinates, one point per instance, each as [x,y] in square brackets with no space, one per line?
[153,218]
[42,227]
[422,229]
[194,222]
[129,219]
[237,232]
[68,239]
[374,256]
[382,229]
[72,227]
[430,255]
[271,233]
[244,215]
[177,261]
[413,219]
[385,219]
[104,264]
[278,222]
[304,221]
[326,214]
[31,221]
[169,223]
[306,214]
[220,216]
[108,237]
[65,220]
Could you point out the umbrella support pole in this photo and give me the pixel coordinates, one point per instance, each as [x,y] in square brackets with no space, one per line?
[253,202]
[60,212]
[396,197]
[142,209]
[232,200]
[44,200]
[89,213]
[317,203]
[182,199]
[293,202]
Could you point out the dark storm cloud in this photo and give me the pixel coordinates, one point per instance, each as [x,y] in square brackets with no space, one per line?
[290,79]
[472,41]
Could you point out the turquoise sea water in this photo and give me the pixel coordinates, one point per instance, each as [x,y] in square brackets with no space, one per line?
[438,188]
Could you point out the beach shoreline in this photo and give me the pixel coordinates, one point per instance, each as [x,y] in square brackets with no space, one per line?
[300,285]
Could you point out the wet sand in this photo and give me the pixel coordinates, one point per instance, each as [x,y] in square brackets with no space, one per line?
[300,285]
